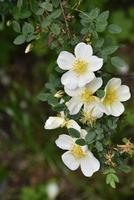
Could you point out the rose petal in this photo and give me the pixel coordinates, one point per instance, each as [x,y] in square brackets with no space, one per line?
[65,60]
[70,161]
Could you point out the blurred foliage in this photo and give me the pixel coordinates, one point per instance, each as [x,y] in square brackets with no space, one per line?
[28,157]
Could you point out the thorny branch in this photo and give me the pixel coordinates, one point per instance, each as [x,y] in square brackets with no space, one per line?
[65,18]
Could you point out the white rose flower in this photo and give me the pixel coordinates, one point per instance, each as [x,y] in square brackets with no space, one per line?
[81,67]
[84,96]
[61,121]
[77,155]
[115,93]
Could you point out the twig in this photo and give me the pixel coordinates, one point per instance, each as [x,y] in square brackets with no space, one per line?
[76,6]
[66,23]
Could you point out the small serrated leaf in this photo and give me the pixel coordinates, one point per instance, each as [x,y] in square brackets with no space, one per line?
[103,16]
[43,96]
[109,50]
[16,26]
[125,168]
[118,62]
[73,132]
[55,14]
[27,28]
[99,146]
[47,6]
[55,28]
[94,13]
[20,39]
[113,28]
[100,93]
[80,142]
[90,137]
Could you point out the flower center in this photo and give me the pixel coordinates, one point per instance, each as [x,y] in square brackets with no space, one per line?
[87,96]
[88,118]
[77,151]
[80,67]
[111,97]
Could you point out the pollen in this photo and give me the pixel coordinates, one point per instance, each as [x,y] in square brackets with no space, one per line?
[109,159]
[87,96]
[88,118]
[80,67]
[77,151]
[111,97]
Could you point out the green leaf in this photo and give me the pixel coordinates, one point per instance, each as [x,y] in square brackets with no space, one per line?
[43,96]
[20,39]
[125,168]
[31,37]
[55,3]
[101,21]
[27,28]
[59,70]
[99,42]
[73,132]
[109,50]
[100,93]
[111,179]
[59,107]
[40,11]
[19,3]
[110,170]
[118,62]
[90,137]
[94,13]
[112,123]
[52,100]
[16,26]
[100,136]
[46,22]
[55,28]
[34,5]
[25,14]
[80,142]
[84,31]
[115,178]
[56,14]
[47,6]
[103,16]
[108,178]
[100,27]
[113,28]
[99,146]
[112,183]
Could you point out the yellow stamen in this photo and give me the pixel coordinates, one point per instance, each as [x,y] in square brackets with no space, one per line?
[87,96]
[128,147]
[77,151]
[111,96]
[109,159]
[88,118]
[80,67]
